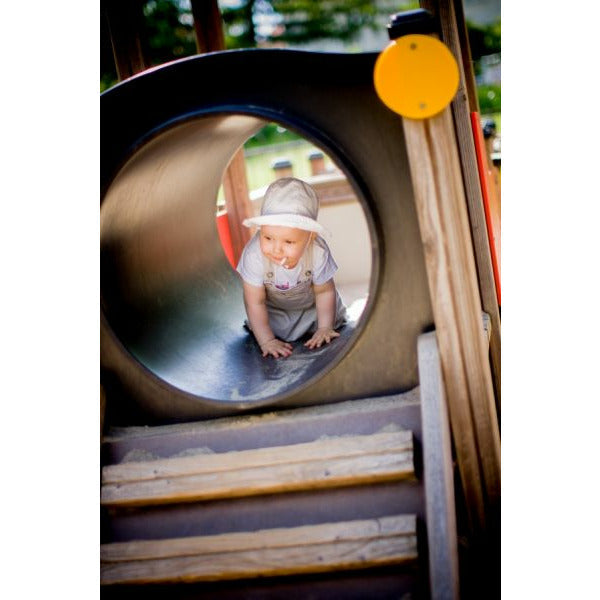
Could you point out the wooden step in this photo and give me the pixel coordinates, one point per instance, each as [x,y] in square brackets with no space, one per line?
[344,460]
[272,428]
[306,549]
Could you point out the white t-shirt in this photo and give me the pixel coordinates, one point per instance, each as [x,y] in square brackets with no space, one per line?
[251,266]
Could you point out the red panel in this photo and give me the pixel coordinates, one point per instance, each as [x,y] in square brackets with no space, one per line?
[225,236]
[491,200]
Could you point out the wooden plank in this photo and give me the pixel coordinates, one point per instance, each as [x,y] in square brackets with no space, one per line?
[261,480]
[261,457]
[438,474]
[456,304]
[265,562]
[462,106]
[326,468]
[305,549]
[455,35]
[237,202]
[487,326]
[208,28]
[280,537]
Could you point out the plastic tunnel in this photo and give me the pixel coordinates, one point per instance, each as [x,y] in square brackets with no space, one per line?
[172,338]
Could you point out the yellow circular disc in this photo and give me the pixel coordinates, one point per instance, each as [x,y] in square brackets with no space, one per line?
[416,76]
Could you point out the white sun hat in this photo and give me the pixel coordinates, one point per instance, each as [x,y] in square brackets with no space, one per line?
[289,202]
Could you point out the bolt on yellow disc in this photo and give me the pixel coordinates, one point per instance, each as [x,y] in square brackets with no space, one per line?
[416,76]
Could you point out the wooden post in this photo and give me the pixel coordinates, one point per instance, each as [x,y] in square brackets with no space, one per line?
[417,76]
[209,38]
[438,473]
[208,26]
[454,35]
[443,221]
[237,201]
[125,20]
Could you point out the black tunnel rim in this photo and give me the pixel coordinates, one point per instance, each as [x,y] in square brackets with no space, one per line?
[314,135]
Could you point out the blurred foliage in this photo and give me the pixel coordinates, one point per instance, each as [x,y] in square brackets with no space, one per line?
[108,71]
[250,23]
[271,134]
[169,33]
[107,80]
[489,98]
[169,30]
[483,39]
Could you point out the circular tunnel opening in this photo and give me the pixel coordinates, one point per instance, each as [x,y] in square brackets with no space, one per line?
[169,291]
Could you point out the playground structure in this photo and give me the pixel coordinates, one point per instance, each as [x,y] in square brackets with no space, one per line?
[173,350]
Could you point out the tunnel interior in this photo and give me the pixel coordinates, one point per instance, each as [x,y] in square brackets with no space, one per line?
[167,290]
[173,346]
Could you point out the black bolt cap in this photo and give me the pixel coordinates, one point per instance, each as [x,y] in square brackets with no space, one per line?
[410,22]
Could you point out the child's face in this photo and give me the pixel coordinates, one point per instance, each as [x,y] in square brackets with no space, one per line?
[283,245]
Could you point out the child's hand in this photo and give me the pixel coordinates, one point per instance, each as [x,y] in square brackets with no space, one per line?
[323,334]
[276,348]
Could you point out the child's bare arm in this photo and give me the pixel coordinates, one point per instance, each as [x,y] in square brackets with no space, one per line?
[256,309]
[325,299]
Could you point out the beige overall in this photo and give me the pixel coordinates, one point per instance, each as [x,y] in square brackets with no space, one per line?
[292,313]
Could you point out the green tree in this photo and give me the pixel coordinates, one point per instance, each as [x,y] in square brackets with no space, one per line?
[483,39]
[489,98]
[108,71]
[238,25]
[294,22]
[169,30]
[169,33]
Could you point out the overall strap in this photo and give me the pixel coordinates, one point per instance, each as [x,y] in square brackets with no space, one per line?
[268,270]
[309,263]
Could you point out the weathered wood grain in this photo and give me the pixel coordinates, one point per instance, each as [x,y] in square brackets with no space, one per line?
[438,473]
[237,201]
[208,26]
[305,549]
[328,463]
[125,24]
[279,537]
[208,29]
[453,30]
[443,222]
[261,457]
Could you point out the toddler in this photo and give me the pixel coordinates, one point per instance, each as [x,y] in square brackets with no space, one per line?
[287,272]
